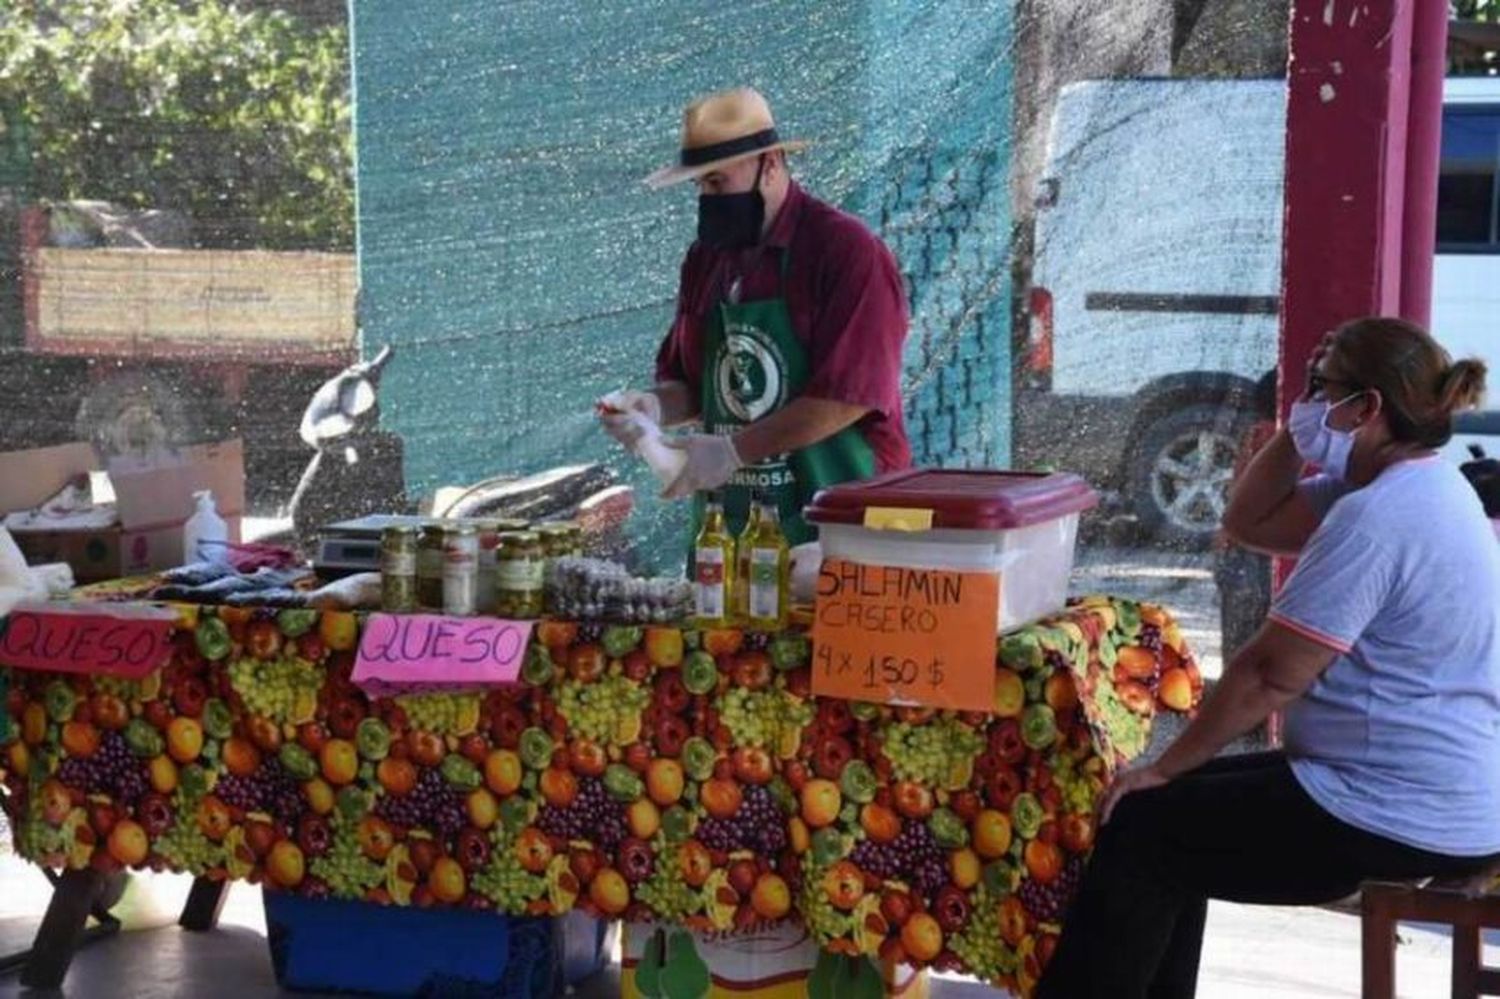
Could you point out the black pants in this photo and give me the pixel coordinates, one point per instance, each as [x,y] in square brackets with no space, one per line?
[1239,829]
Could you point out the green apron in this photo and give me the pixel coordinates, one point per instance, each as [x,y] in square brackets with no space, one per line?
[754,365]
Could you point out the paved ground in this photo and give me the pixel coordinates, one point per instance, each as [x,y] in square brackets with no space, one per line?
[1251,952]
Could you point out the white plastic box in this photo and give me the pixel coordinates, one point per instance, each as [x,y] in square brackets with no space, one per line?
[1023,526]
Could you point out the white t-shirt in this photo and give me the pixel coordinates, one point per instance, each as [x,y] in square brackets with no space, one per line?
[1400,736]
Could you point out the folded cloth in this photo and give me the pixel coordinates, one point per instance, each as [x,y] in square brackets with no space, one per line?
[197,573]
[253,556]
[212,583]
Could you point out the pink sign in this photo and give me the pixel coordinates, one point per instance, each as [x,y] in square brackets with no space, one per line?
[411,652]
[87,639]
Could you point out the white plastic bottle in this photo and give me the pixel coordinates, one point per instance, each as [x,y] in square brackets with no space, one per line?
[205,536]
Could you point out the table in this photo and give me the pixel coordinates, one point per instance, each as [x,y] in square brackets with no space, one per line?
[635,773]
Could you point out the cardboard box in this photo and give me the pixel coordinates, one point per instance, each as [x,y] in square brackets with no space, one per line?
[153,499]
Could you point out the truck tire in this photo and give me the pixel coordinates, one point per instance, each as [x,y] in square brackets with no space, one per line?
[134,412]
[1178,472]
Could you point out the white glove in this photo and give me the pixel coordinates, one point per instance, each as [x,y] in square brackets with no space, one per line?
[618,414]
[711,460]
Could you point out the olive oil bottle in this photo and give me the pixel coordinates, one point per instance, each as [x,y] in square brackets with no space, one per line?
[768,587]
[714,567]
[742,562]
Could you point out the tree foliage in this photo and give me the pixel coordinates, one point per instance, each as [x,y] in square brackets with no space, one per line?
[239,118]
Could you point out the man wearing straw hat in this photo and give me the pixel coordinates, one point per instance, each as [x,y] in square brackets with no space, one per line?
[791,316]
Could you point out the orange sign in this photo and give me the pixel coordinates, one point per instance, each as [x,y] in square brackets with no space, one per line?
[906,636]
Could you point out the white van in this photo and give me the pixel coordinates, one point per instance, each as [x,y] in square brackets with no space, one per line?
[1157,273]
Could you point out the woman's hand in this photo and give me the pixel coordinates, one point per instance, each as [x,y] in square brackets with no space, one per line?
[1309,377]
[1139,779]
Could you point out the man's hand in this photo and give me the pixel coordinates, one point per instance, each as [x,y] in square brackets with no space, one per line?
[1140,779]
[618,412]
[711,460]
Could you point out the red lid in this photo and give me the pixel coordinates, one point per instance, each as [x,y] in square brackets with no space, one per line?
[974,499]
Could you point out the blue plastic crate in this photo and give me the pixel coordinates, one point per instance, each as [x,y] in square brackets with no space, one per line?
[336,945]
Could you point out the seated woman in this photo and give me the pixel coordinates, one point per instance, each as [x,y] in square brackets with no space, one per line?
[1383,649]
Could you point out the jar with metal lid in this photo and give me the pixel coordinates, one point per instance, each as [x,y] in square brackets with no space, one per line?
[575,539]
[398,569]
[554,540]
[489,543]
[520,566]
[430,567]
[510,525]
[564,537]
[461,570]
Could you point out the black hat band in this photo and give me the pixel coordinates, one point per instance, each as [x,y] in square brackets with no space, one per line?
[731,147]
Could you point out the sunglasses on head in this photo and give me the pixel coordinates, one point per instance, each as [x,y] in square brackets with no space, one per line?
[1318,384]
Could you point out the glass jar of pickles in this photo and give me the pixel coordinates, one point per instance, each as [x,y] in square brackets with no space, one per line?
[430,567]
[398,569]
[510,525]
[555,545]
[520,575]
[575,538]
[461,571]
[556,537]
[489,541]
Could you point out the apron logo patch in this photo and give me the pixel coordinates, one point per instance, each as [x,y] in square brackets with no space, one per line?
[750,378]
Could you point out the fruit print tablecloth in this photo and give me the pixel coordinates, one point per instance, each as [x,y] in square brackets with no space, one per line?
[636,773]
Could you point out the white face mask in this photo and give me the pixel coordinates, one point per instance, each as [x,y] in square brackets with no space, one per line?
[1316,441]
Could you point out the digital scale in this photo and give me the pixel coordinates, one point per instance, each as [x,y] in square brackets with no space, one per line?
[352,546]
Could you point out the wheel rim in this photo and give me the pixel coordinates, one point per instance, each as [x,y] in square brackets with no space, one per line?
[1190,479]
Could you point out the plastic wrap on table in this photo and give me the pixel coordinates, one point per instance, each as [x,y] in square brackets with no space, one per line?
[198,574]
[229,587]
[360,591]
[216,591]
[278,598]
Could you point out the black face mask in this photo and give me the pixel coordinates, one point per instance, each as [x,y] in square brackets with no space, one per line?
[733,221]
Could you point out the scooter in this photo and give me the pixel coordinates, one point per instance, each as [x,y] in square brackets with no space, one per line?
[357,470]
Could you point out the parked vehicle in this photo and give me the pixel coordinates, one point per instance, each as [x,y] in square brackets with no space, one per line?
[1156,284]
[356,468]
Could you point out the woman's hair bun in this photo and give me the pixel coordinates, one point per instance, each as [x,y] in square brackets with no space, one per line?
[1463,385]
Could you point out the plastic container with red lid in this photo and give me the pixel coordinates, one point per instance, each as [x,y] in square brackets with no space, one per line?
[1022,525]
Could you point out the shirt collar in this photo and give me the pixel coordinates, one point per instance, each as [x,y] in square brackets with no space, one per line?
[780,233]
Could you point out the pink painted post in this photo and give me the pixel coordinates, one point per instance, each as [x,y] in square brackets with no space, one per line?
[1429,63]
[1347,93]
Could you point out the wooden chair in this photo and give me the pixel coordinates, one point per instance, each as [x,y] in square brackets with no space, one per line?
[1467,906]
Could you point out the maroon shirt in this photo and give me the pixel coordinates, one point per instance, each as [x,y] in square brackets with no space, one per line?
[848,307]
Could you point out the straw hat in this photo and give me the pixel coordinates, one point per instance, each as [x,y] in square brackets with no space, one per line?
[723,128]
